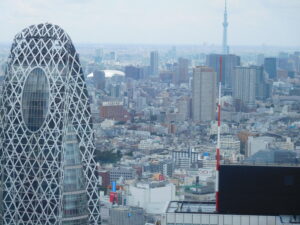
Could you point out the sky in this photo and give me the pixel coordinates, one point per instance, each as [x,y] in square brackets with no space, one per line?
[196,22]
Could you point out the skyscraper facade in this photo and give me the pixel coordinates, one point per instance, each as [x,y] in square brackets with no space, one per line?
[181,71]
[228,64]
[244,88]
[98,79]
[263,86]
[154,60]
[204,94]
[47,164]
[270,65]
[260,59]
[99,55]
[134,72]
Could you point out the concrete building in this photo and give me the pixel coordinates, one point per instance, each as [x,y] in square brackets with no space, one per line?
[204,94]
[112,56]
[197,213]
[214,128]
[134,72]
[208,164]
[153,197]
[154,63]
[97,77]
[115,90]
[229,142]
[260,59]
[244,86]
[185,159]
[274,156]
[184,108]
[98,55]
[181,71]
[228,63]
[125,173]
[150,144]
[287,145]
[263,87]
[264,194]
[114,111]
[255,144]
[230,147]
[270,65]
[124,215]
[164,167]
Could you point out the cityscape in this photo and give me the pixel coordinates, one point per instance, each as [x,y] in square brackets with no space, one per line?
[129,131]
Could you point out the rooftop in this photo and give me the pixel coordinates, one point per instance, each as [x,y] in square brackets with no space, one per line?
[191,207]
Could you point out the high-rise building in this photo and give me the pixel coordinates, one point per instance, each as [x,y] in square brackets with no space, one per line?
[263,87]
[296,58]
[172,53]
[47,166]
[154,63]
[134,72]
[112,56]
[184,108]
[115,90]
[260,59]
[285,62]
[225,25]
[98,79]
[181,71]
[99,55]
[270,65]
[204,94]
[244,88]
[228,64]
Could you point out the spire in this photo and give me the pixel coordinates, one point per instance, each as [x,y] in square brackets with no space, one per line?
[225,25]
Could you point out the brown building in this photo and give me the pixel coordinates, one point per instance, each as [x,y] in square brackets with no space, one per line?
[114,111]
[105,179]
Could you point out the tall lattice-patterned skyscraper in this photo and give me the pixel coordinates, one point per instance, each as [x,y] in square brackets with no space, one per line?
[48,169]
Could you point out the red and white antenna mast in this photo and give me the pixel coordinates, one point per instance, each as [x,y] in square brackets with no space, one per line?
[219,138]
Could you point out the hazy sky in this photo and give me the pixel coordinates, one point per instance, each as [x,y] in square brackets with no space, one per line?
[251,22]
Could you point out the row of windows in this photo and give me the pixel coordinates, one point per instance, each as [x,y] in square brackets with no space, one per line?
[74,180]
[35,99]
[72,154]
[74,205]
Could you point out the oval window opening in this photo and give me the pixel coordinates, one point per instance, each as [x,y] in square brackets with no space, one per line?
[35,99]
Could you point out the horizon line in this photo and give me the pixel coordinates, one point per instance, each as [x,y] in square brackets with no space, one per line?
[175,44]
